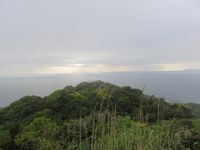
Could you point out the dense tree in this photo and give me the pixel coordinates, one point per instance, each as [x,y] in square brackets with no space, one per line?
[34,122]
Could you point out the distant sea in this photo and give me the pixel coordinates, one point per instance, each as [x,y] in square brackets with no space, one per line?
[177,86]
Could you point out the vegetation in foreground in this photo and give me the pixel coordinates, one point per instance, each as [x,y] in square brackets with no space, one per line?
[97,116]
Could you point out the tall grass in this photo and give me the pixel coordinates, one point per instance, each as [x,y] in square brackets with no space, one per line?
[104,130]
[111,132]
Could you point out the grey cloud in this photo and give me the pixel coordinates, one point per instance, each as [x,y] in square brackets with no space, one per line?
[113,32]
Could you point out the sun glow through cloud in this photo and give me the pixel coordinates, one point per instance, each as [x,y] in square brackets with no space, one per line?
[100,68]
[74,40]
[96,68]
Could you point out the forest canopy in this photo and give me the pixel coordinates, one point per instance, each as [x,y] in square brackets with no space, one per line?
[34,120]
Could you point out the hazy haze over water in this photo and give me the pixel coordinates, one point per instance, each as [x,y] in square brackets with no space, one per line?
[48,44]
[177,86]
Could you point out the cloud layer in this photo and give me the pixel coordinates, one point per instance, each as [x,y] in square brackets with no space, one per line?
[75,36]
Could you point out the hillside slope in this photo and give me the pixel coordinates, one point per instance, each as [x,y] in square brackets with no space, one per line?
[195,109]
[81,101]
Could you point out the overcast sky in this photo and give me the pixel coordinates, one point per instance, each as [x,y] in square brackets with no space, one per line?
[78,36]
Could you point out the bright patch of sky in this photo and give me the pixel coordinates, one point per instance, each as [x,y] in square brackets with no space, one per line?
[91,36]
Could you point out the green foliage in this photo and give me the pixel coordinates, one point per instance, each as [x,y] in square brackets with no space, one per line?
[195,109]
[39,134]
[95,115]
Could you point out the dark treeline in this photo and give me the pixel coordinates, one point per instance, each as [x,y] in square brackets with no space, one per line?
[73,103]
